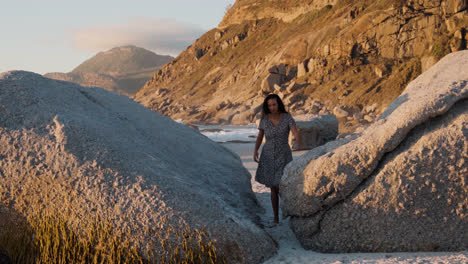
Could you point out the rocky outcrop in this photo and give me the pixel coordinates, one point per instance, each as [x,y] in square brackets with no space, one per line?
[350,54]
[315,130]
[400,185]
[285,10]
[122,70]
[85,153]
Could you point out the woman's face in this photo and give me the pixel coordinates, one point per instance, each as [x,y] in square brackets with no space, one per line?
[273,105]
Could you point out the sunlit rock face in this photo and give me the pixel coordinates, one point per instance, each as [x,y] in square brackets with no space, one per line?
[319,56]
[399,185]
[84,153]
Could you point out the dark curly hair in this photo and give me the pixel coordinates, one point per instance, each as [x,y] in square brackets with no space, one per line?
[266,111]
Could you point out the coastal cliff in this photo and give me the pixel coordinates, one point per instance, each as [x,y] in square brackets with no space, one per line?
[349,58]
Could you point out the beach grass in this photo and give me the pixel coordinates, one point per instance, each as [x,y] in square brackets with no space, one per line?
[51,239]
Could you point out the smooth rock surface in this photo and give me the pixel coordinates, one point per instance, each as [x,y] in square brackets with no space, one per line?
[83,152]
[401,184]
[315,130]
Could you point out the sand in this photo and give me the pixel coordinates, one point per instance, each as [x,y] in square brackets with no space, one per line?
[290,251]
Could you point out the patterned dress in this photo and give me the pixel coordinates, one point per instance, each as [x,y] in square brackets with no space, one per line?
[276,152]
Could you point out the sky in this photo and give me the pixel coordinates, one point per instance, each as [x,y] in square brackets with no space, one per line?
[57,35]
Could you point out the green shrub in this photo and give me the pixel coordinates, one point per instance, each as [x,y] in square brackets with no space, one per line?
[439,50]
[308,17]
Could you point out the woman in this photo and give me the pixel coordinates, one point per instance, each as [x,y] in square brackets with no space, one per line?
[276,153]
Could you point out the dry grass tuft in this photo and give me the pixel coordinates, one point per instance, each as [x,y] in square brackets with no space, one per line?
[51,239]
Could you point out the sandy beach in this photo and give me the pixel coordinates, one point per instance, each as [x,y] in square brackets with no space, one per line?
[290,250]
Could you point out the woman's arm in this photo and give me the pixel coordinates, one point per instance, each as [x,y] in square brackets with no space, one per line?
[297,136]
[257,144]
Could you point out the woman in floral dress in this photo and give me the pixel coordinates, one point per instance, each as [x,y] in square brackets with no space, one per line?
[276,153]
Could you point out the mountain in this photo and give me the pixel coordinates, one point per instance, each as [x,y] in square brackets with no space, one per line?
[123,69]
[351,58]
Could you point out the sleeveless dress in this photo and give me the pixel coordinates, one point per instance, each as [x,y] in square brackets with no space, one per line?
[276,152]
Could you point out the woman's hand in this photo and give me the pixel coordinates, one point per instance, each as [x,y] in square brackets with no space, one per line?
[255,156]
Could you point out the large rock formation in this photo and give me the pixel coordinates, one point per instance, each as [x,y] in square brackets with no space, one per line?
[400,185]
[123,70]
[84,153]
[351,54]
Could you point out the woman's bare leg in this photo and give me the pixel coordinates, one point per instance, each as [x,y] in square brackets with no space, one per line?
[275,202]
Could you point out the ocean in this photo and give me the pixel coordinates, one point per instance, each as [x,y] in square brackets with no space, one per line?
[230,133]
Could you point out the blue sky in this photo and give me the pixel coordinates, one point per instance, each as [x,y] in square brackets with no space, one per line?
[57,35]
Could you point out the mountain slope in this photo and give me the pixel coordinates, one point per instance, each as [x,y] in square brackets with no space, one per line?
[121,61]
[354,55]
[123,69]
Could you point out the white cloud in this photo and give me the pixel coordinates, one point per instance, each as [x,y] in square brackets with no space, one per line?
[163,36]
